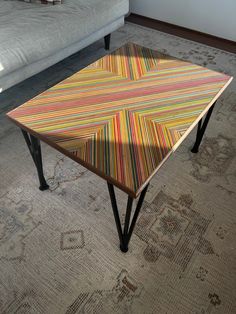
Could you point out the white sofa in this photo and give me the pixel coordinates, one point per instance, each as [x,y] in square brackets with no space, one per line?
[36,36]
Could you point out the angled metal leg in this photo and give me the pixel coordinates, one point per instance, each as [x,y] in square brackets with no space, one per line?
[35,151]
[115,211]
[128,227]
[201,129]
[107,40]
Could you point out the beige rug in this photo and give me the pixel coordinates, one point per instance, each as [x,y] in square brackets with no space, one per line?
[59,248]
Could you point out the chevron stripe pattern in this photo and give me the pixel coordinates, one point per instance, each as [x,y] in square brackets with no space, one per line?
[123,114]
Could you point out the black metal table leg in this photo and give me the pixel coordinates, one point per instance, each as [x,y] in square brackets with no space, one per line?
[107,40]
[35,151]
[201,129]
[128,228]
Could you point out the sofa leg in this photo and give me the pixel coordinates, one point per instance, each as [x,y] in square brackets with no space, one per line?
[107,39]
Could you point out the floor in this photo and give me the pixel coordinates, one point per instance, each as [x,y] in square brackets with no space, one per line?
[59,248]
[183,32]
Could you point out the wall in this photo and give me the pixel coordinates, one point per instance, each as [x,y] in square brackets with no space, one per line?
[215,17]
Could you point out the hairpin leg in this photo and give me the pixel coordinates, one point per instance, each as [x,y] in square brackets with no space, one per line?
[35,150]
[201,129]
[128,227]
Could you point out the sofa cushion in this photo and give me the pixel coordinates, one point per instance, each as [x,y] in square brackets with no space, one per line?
[29,33]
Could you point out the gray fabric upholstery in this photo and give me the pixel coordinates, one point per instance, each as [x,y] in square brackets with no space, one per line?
[24,72]
[32,32]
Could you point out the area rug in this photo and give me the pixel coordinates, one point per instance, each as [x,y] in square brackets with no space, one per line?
[59,248]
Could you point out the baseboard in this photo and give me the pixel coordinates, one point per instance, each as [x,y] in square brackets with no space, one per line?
[183,32]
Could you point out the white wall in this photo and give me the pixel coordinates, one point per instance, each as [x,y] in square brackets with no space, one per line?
[215,17]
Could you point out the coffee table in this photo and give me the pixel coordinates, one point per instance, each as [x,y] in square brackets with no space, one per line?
[122,117]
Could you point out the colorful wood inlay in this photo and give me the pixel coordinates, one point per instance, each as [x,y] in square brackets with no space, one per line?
[122,116]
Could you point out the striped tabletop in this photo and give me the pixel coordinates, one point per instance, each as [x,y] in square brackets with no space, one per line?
[123,115]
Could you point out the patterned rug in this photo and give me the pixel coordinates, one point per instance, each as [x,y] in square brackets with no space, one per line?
[59,248]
